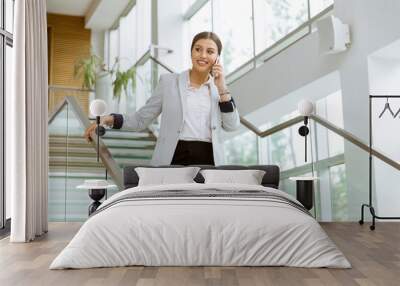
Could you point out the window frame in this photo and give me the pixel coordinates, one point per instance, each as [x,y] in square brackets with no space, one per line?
[267,53]
[6,39]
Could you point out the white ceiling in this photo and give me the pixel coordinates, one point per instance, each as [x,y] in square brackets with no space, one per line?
[99,14]
[68,7]
[104,13]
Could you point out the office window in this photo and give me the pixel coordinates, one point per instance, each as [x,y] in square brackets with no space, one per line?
[334,114]
[6,43]
[127,53]
[331,109]
[200,22]
[127,47]
[143,83]
[286,147]
[8,79]
[233,24]
[274,19]
[339,193]
[143,27]
[113,47]
[241,149]
[9,15]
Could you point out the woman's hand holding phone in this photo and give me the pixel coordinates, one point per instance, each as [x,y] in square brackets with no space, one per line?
[217,72]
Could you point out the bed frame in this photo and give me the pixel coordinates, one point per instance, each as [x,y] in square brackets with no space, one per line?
[270,179]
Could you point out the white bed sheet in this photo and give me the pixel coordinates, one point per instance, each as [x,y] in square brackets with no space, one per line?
[200,231]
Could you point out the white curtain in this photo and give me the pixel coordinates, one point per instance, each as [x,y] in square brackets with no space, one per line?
[26,123]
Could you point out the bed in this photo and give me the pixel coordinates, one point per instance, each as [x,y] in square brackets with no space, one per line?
[198,224]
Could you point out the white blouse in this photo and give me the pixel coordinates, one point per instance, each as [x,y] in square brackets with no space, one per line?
[197,124]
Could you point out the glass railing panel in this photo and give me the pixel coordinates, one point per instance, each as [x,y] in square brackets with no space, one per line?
[286,148]
[81,165]
[57,166]
[58,93]
[331,189]
[71,161]
[340,166]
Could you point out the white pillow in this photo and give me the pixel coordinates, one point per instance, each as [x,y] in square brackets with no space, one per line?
[248,177]
[163,176]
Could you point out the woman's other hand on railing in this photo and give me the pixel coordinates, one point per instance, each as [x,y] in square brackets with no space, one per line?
[104,120]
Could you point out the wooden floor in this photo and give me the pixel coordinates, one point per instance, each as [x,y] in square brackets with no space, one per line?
[374,255]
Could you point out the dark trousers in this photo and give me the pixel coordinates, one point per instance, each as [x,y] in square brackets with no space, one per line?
[193,153]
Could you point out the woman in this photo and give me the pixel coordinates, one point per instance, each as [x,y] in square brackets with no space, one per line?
[195,105]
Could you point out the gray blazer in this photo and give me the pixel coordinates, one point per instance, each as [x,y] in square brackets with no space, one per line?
[170,100]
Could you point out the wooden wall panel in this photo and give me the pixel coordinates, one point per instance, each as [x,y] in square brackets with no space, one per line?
[69,42]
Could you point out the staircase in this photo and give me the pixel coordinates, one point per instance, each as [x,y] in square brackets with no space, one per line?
[73,160]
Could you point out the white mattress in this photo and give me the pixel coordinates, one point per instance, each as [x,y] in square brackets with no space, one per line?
[200,231]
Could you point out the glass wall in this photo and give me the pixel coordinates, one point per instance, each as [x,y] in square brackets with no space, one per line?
[339,192]
[71,161]
[6,44]
[233,24]
[9,15]
[241,149]
[143,83]
[331,109]
[325,151]
[200,22]
[248,28]
[128,42]
[274,19]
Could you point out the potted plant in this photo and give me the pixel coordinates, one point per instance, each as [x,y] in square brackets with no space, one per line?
[88,69]
[92,68]
[122,79]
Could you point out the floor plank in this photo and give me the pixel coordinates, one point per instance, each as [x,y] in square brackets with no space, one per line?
[374,255]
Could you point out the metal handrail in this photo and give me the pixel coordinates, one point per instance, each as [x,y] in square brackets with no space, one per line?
[104,153]
[271,130]
[116,173]
[69,88]
[356,141]
[339,131]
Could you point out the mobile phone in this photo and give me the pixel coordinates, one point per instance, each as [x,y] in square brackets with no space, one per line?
[216,61]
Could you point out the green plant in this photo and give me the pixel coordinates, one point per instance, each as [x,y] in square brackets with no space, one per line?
[122,80]
[88,68]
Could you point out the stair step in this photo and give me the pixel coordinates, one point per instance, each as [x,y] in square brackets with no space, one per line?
[145,161]
[113,145]
[116,154]
[80,140]
[129,135]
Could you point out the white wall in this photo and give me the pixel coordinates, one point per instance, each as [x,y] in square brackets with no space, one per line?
[373,24]
[384,78]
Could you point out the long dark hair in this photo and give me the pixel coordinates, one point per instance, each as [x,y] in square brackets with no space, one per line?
[207,35]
